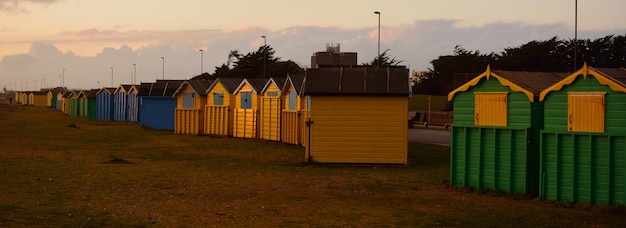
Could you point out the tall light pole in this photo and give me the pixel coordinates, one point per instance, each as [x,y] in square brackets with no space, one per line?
[135,75]
[111,76]
[378,56]
[264,53]
[201,60]
[163,58]
[63,79]
[575,32]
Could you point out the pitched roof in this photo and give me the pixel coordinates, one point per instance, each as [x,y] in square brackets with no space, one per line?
[279,82]
[615,78]
[197,85]
[256,84]
[392,81]
[529,83]
[92,93]
[230,84]
[296,80]
[108,90]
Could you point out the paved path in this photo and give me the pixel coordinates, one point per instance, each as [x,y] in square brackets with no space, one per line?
[440,137]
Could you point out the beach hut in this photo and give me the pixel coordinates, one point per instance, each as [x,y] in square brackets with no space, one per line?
[190,103]
[220,104]
[246,112]
[59,100]
[157,105]
[357,115]
[270,109]
[133,104]
[495,132]
[73,103]
[24,97]
[52,96]
[583,144]
[294,113]
[120,102]
[92,104]
[83,103]
[66,102]
[105,103]
[39,98]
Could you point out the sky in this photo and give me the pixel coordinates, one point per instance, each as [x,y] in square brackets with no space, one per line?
[93,43]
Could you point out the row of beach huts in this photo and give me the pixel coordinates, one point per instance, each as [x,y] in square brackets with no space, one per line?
[339,115]
[559,135]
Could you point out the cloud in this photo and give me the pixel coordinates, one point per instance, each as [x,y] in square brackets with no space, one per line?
[415,44]
[18,5]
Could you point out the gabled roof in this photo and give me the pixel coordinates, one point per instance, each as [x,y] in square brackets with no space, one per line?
[256,84]
[278,82]
[230,84]
[198,86]
[108,90]
[392,81]
[615,78]
[529,83]
[296,81]
[125,88]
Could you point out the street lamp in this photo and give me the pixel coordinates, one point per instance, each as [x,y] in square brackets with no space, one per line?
[111,76]
[377,12]
[201,60]
[163,58]
[63,79]
[135,66]
[264,53]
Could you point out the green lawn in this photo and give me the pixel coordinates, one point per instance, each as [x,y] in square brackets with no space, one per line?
[58,170]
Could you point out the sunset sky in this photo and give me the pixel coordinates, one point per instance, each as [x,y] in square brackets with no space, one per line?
[40,38]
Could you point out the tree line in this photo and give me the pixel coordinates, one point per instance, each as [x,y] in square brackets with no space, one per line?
[552,55]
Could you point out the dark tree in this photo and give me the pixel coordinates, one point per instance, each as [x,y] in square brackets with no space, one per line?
[383,60]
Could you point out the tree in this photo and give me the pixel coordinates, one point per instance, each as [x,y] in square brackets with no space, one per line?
[384,60]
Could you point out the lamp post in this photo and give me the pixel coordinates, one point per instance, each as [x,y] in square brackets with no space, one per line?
[201,60]
[378,56]
[135,74]
[63,79]
[163,58]
[111,76]
[575,32]
[264,53]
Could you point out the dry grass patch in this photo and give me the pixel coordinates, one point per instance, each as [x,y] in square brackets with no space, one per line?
[103,173]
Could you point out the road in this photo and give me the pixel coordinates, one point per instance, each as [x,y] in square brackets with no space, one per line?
[440,137]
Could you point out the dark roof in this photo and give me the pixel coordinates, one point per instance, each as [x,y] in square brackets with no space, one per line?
[230,84]
[280,83]
[200,86]
[297,80]
[257,83]
[159,88]
[616,74]
[92,93]
[534,82]
[357,81]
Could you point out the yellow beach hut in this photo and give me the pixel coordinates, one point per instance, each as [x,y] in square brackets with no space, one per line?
[219,108]
[39,98]
[358,115]
[246,110]
[190,102]
[294,112]
[270,109]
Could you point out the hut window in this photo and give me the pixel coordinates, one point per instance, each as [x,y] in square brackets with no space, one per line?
[246,100]
[218,98]
[585,112]
[188,101]
[292,100]
[308,102]
[272,94]
[490,109]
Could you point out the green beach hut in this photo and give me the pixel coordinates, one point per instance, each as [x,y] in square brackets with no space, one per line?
[583,144]
[495,133]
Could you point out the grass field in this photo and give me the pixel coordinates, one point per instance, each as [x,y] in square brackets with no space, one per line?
[58,170]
